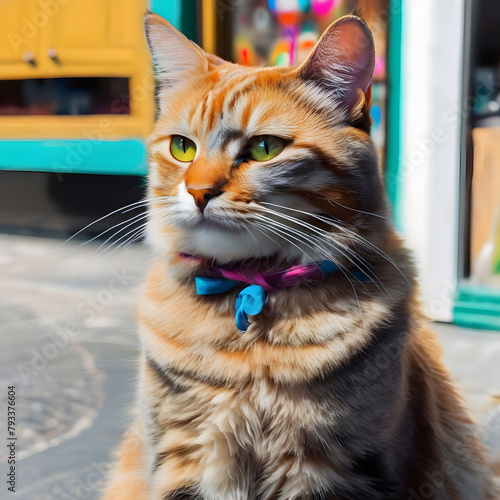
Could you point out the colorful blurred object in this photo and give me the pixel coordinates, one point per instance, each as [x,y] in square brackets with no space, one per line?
[380,69]
[280,53]
[324,7]
[305,43]
[244,51]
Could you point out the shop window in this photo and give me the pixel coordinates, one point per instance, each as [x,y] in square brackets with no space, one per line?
[64,96]
[482,237]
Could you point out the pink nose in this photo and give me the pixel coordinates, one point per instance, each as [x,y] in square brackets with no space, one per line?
[203,196]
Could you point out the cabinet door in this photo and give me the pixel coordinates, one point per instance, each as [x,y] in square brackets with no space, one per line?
[20,26]
[95,32]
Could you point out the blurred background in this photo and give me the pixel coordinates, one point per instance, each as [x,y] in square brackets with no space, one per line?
[77,102]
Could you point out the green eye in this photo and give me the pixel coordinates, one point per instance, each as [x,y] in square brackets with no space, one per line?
[265,147]
[182,148]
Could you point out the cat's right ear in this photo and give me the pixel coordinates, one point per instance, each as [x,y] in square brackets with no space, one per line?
[176,57]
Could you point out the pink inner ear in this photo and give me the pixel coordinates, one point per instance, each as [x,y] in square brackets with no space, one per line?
[355,49]
[343,60]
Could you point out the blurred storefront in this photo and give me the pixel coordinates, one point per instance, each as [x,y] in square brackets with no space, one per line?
[76,86]
[77,99]
[446,187]
[479,293]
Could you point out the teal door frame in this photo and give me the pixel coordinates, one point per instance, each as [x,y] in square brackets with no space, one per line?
[395,107]
[182,14]
[169,10]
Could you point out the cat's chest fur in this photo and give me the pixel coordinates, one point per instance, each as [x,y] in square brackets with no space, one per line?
[270,441]
[264,420]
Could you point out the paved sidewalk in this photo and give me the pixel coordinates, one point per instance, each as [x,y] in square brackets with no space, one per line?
[68,344]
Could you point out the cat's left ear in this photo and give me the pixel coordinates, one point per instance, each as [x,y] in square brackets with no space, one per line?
[342,62]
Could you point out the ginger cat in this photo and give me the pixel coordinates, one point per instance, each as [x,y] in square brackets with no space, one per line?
[284,351]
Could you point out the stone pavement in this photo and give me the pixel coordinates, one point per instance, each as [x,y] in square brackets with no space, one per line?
[68,344]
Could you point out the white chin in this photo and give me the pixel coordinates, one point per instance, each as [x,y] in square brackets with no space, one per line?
[226,246]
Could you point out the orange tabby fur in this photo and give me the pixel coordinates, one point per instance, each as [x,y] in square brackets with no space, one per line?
[337,389]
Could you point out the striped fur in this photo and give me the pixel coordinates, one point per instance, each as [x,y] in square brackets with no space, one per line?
[336,391]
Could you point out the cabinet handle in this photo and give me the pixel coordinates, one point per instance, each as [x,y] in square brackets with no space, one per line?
[52,53]
[29,58]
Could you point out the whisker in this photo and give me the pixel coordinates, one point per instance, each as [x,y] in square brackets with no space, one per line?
[141,217]
[322,253]
[265,234]
[254,238]
[364,241]
[284,238]
[341,269]
[337,203]
[310,214]
[131,240]
[136,204]
[335,245]
[281,232]
[329,220]
[110,229]
[164,217]
[356,210]
[149,200]
[110,249]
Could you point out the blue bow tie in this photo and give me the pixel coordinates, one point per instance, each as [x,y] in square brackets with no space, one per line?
[251,299]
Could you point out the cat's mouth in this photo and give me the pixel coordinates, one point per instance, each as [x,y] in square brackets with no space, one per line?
[210,221]
[220,223]
[227,236]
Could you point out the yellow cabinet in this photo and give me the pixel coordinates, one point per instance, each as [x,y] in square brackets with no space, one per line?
[95,32]
[19,38]
[75,39]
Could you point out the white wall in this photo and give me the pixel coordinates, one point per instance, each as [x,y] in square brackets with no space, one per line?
[433,33]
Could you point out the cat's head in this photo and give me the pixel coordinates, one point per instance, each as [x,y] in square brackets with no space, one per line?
[263,162]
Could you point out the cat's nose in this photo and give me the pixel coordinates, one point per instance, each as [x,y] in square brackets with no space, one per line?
[203,196]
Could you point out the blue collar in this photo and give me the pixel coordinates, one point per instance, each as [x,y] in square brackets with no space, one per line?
[251,299]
